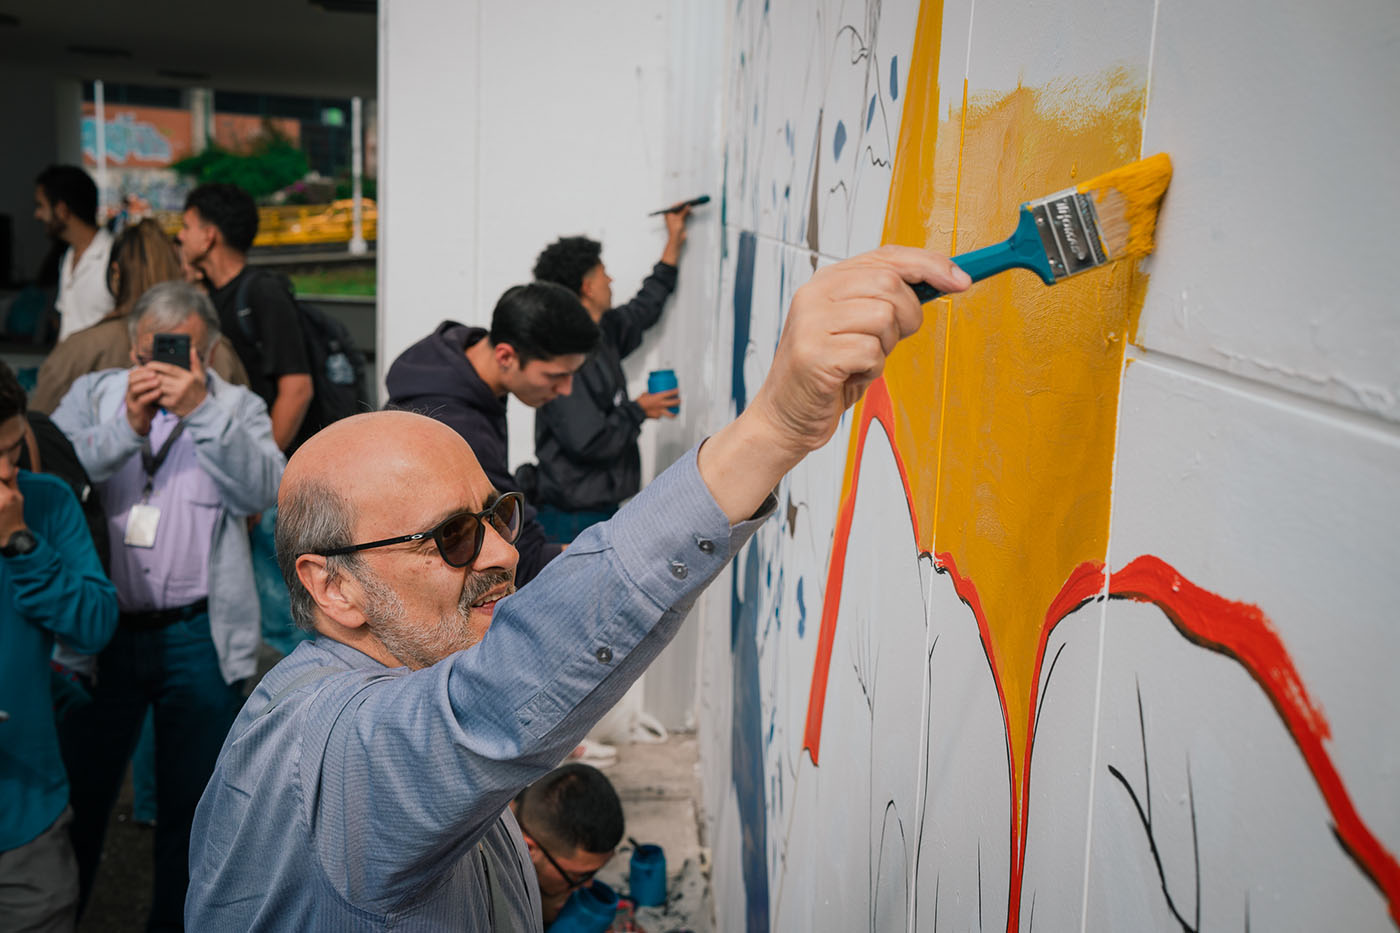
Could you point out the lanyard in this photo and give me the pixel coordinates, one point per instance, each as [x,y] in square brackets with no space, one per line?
[152,462]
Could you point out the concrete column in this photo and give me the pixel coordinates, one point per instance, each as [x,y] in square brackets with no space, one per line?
[200,102]
[357,237]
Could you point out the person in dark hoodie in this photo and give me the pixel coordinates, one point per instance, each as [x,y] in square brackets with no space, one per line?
[587,443]
[540,335]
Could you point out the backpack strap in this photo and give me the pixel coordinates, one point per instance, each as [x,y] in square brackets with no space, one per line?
[247,323]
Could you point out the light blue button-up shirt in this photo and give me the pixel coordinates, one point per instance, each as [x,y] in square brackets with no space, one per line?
[350,796]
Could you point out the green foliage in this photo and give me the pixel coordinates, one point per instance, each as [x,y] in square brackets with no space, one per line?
[345,187]
[336,280]
[270,164]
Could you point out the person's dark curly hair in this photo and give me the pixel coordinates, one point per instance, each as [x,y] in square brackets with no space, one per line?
[229,208]
[567,260]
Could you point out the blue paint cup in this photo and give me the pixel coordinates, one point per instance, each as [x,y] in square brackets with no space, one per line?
[590,909]
[648,876]
[663,380]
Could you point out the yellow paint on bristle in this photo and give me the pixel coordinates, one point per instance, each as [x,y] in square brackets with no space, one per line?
[1126,200]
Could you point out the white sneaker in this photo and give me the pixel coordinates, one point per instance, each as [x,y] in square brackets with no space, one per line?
[594,753]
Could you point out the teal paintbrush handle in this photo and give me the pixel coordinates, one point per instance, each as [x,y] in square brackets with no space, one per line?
[1022,251]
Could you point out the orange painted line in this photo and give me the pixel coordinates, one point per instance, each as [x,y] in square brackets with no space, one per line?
[876,406]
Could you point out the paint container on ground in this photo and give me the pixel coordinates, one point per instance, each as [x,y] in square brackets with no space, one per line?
[648,876]
[663,380]
[591,909]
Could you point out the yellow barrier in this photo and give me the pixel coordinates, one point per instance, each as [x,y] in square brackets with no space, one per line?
[305,224]
[301,224]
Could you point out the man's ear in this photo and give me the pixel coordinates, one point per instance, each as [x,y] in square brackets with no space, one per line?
[338,598]
[506,357]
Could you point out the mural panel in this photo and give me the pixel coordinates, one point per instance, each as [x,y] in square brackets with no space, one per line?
[1015,692]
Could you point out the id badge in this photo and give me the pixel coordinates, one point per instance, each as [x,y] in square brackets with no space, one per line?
[141,524]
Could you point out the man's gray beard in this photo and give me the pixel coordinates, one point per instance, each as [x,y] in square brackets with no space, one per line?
[422,644]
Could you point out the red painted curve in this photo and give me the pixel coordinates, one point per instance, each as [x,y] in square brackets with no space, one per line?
[1240,631]
[1243,633]
[878,406]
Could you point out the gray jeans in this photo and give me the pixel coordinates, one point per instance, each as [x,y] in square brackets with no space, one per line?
[39,883]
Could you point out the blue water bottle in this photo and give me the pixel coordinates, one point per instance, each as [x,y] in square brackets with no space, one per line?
[591,909]
[648,876]
[663,380]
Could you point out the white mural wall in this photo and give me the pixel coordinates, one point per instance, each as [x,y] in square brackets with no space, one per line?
[1087,619]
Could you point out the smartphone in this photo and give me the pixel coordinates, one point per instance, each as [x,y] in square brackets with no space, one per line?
[171,348]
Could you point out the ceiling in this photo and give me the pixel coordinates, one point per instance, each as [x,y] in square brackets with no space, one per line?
[295,47]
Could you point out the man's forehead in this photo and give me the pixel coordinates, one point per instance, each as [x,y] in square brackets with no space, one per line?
[191,324]
[559,365]
[419,483]
[11,428]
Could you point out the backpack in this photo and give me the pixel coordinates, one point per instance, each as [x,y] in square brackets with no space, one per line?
[337,365]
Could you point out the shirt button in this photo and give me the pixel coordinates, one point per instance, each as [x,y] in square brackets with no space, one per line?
[678,570]
[604,655]
[705,545]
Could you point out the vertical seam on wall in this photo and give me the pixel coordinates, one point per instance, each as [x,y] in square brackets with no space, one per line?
[381,148]
[1151,62]
[1108,550]
[948,302]
[476,171]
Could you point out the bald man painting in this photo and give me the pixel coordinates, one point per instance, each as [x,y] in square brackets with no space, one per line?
[365,784]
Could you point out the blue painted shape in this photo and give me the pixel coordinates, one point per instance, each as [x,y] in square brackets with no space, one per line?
[743,315]
[894,77]
[870,113]
[746,743]
[801,609]
[839,142]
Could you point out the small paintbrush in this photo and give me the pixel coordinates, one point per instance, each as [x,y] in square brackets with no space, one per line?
[693,202]
[1107,218]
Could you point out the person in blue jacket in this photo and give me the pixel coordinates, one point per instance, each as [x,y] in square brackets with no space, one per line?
[51,586]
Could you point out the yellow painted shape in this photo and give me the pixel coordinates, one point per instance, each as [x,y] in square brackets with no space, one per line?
[1006,403]
[1034,371]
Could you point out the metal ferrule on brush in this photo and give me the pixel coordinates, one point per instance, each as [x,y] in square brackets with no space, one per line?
[1069,230]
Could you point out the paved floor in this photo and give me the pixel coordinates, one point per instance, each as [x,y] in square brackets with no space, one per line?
[659,787]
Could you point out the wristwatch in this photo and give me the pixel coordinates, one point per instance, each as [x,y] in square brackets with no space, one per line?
[20,543]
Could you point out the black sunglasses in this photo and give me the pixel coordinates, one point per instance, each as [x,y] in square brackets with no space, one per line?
[573,882]
[459,537]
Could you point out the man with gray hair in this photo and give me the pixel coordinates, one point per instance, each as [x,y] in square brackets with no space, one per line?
[181,459]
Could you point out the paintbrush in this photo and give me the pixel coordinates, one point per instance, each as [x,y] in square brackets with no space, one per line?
[693,202]
[1106,219]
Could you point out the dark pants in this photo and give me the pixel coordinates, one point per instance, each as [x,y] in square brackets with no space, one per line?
[175,671]
[562,527]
